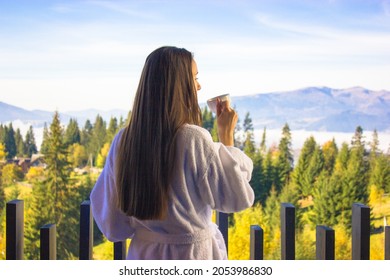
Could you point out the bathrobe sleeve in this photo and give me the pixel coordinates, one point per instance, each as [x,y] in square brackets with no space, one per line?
[224,183]
[112,222]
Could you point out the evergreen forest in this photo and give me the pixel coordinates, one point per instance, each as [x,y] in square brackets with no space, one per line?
[322,183]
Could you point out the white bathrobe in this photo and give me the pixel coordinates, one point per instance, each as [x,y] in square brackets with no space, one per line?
[207,176]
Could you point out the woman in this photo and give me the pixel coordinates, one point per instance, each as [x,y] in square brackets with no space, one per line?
[164,174]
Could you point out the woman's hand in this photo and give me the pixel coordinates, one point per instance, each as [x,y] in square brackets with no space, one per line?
[226,119]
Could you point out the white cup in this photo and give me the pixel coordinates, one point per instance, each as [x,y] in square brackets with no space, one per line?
[212,102]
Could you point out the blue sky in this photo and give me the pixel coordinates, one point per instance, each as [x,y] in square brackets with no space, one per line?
[73,55]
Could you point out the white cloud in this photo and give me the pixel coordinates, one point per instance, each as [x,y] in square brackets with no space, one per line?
[124,8]
[386,7]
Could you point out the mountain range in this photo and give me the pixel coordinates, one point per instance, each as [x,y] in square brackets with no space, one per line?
[11,113]
[318,109]
[311,108]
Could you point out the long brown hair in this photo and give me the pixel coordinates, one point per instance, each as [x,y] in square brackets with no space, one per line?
[165,100]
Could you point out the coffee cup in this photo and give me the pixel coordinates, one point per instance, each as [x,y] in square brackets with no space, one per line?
[212,102]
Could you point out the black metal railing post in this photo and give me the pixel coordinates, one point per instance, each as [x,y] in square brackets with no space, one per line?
[120,250]
[256,243]
[287,218]
[86,231]
[15,230]
[360,232]
[325,243]
[48,249]
[223,225]
[387,242]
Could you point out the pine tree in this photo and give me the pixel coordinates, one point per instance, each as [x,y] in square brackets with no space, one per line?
[268,179]
[112,130]
[342,158]
[44,145]
[330,151]
[315,167]
[272,225]
[257,179]
[122,122]
[30,145]
[59,200]
[39,213]
[9,141]
[249,145]
[98,136]
[300,172]
[248,124]
[285,158]
[380,173]
[328,200]
[272,210]
[20,146]
[358,167]
[86,136]
[72,133]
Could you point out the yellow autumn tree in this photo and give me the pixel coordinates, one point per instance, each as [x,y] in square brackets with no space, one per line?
[3,153]
[239,233]
[77,155]
[101,158]
[35,173]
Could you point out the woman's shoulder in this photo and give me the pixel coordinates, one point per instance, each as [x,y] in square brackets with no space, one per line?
[195,132]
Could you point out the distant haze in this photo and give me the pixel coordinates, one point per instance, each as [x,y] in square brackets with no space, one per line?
[323,112]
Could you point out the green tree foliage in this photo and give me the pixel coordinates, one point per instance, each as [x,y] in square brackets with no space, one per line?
[86,135]
[45,144]
[9,141]
[39,213]
[98,136]
[248,124]
[268,176]
[72,133]
[207,119]
[330,151]
[258,178]
[328,200]
[249,143]
[112,130]
[380,173]
[30,144]
[272,225]
[59,196]
[358,167]
[300,175]
[20,146]
[214,131]
[285,159]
